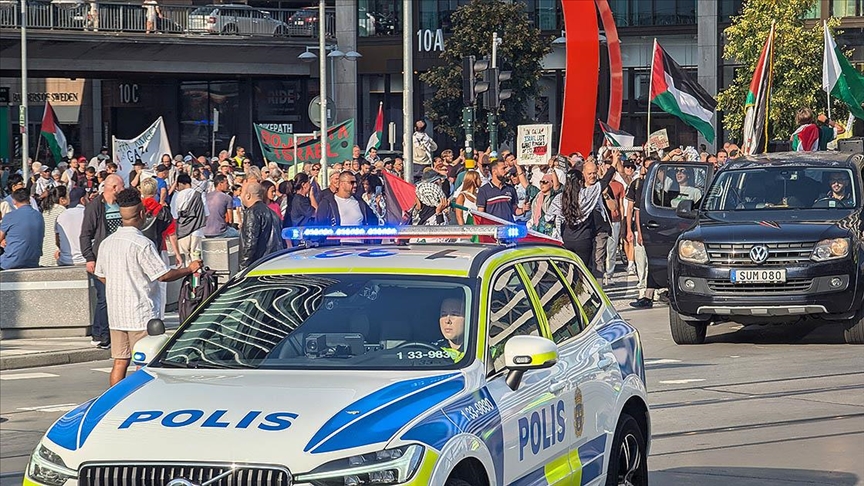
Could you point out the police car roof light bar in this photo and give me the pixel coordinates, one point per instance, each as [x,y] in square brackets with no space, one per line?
[503,233]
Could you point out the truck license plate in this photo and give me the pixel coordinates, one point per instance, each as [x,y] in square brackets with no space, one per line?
[758,276]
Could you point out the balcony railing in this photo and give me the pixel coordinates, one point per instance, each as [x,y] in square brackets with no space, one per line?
[114,18]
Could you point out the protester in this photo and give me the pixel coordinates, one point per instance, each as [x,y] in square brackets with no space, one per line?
[431,207]
[221,208]
[541,203]
[53,206]
[270,197]
[43,184]
[160,228]
[373,195]
[21,232]
[131,269]
[162,184]
[344,208]
[806,136]
[424,146]
[190,212]
[303,204]
[15,182]
[466,197]
[574,215]
[634,235]
[260,233]
[497,197]
[828,130]
[67,229]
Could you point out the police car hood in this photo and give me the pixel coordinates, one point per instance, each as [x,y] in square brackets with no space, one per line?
[290,418]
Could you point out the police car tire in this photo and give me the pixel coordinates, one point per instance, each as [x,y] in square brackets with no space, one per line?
[854,332]
[628,429]
[684,332]
[457,482]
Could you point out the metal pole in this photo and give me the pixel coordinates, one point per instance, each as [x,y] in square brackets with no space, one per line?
[408,89]
[22,110]
[650,88]
[322,57]
[333,79]
[492,117]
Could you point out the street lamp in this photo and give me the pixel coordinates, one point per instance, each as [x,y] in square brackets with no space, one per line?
[309,56]
[22,114]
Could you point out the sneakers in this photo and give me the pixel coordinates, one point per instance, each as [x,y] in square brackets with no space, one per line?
[631,268]
[101,343]
[605,280]
[642,303]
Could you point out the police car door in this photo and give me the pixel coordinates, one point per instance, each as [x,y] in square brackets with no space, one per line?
[533,416]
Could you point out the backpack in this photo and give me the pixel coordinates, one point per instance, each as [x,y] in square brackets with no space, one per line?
[194,290]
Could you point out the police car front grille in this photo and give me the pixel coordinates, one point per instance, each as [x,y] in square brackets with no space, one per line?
[162,474]
[726,287]
[778,253]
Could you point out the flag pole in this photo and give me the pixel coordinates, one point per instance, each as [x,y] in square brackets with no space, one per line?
[824,49]
[770,74]
[650,88]
[39,138]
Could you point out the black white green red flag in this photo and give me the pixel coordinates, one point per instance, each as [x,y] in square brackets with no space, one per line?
[53,134]
[378,135]
[758,97]
[840,79]
[677,93]
[616,138]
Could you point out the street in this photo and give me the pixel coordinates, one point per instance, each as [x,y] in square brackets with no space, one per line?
[765,406]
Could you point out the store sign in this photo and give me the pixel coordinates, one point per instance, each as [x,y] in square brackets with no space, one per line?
[429,40]
[65,96]
[129,93]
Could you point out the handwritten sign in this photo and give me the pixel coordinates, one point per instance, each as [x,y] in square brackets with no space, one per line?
[658,140]
[533,144]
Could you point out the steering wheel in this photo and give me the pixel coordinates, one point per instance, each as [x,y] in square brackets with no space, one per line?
[416,344]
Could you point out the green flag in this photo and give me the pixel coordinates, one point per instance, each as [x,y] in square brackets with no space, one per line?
[279,146]
[840,79]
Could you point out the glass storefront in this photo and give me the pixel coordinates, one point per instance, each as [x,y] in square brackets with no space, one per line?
[197,102]
[379,18]
[635,13]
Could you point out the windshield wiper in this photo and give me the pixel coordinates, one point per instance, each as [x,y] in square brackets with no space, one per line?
[192,365]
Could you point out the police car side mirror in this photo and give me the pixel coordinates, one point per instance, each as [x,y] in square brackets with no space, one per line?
[523,353]
[685,210]
[147,348]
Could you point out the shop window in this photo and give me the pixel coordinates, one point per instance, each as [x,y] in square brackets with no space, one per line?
[379,17]
[197,102]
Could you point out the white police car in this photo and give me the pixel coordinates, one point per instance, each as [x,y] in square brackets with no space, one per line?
[422,364]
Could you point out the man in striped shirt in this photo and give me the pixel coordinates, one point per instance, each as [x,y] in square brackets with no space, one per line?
[498,198]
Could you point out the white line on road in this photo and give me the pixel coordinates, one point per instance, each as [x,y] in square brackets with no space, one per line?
[63,407]
[680,382]
[27,376]
[661,361]
[102,370]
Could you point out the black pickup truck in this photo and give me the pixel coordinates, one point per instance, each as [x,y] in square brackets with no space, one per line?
[771,239]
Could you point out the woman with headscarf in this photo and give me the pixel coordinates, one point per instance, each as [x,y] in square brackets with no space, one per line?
[431,206]
[573,214]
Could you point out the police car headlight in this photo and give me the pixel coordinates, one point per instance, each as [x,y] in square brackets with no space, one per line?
[830,249]
[692,251]
[48,468]
[391,466]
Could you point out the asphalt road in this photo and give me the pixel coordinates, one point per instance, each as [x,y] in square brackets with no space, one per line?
[766,406]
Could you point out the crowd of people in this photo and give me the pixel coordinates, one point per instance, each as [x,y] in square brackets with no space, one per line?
[70,214]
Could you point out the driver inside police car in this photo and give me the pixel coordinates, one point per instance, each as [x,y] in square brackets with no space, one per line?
[451,321]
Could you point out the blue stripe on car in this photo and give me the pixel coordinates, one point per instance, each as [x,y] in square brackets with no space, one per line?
[109,400]
[380,425]
[486,426]
[435,431]
[362,407]
[65,431]
[591,457]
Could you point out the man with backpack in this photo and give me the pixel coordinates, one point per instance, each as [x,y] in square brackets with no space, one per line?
[189,209]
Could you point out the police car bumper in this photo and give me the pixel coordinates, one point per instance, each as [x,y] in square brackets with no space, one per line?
[830,288]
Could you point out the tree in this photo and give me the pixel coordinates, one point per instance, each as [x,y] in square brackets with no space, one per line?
[521,52]
[797,64]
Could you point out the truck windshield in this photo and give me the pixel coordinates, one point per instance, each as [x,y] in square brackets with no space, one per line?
[783,188]
[329,322]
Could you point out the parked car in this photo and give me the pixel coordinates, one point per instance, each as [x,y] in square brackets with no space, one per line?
[305,21]
[235,19]
[770,242]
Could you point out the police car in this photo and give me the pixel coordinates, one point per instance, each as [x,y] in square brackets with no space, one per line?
[420,363]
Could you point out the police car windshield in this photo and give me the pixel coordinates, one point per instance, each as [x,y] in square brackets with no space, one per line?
[783,188]
[328,322]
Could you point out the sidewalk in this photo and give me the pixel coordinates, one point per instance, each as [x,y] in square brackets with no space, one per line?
[32,353]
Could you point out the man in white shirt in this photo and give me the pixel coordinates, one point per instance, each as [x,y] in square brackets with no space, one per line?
[131,269]
[345,208]
[67,229]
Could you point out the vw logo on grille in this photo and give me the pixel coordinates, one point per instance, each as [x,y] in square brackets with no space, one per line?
[180,482]
[759,254]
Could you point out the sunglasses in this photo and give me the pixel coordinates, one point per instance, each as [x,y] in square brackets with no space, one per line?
[316,169]
[545,182]
[838,181]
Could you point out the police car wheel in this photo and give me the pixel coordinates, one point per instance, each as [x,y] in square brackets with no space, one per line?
[628,465]
[684,332]
[457,482]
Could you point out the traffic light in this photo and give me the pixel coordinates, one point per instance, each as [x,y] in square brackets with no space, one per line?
[495,94]
[471,67]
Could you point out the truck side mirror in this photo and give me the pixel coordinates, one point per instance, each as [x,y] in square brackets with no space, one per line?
[685,210]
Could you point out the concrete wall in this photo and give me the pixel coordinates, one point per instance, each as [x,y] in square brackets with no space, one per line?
[708,57]
[346,71]
[45,302]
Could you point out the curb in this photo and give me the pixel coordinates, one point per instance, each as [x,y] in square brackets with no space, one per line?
[53,358]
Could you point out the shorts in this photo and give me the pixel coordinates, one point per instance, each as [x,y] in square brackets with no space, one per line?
[122,343]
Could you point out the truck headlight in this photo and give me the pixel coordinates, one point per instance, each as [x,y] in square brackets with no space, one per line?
[692,251]
[830,250]
[391,466]
[48,468]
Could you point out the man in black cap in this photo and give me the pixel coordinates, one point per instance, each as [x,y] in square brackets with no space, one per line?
[135,175]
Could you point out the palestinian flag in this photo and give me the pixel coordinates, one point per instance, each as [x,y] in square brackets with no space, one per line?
[616,138]
[52,133]
[756,105]
[399,196]
[677,93]
[839,78]
[806,138]
[375,139]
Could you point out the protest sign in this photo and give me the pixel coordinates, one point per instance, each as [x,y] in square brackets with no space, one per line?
[279,146]
[149,147]
[533,144]
[658,140]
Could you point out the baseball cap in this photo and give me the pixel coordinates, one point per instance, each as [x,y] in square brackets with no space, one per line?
[161,168]
[178,158]
[45,168]
[103,149]
[430,175]
[75,196]
[188,158]
[224,163]
[139,162]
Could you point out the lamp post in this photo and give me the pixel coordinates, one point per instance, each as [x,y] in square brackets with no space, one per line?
[407,90]
[22,113]
[322,40]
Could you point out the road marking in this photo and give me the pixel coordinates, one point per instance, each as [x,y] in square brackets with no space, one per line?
[27,376]
[661,361]
[680,382]
[108,370]
[63,407]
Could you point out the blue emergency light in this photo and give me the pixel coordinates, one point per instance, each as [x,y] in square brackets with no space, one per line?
[503,233]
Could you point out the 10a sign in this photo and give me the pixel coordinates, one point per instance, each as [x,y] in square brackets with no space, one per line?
[429,40]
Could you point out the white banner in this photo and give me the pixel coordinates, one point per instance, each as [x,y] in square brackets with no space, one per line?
[149,147]
[533,144]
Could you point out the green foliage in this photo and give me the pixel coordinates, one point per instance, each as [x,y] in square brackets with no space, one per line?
[797,64]
[521,52]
